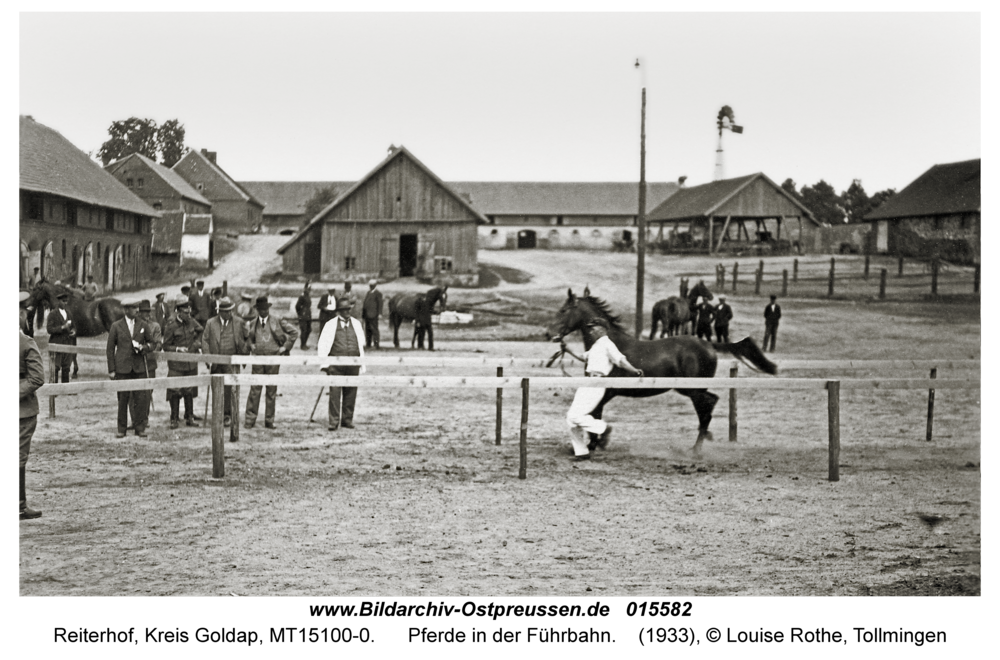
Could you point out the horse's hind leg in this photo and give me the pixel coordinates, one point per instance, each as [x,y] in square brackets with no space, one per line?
[395,321]
[704,403]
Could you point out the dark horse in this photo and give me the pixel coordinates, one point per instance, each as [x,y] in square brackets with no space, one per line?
[91,318]
[673,357]
[416,307]
[674,313]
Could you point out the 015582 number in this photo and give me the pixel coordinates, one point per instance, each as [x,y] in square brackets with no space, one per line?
[658,609]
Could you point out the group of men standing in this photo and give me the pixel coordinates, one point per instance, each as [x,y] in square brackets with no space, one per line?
[329,307]
[708,317]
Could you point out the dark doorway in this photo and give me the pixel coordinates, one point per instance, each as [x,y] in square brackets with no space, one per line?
[526,239]
[211,253]
[312,254]
[407,255]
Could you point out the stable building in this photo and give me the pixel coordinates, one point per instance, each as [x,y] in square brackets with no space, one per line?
[749,212]
[400,220]
[76,219]
[938,215]
[234,209]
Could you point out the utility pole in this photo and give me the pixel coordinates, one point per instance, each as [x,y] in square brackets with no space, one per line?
[640,247]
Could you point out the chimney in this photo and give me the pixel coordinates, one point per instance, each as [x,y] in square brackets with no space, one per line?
[209,155]
[681,180]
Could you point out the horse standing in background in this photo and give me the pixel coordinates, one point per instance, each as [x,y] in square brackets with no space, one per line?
[91,318]
[673,314]
[416,307]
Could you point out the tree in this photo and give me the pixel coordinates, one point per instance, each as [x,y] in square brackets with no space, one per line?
[130,136]
[322,198]
[170,140]
[880,197]
[855,202]
[143,136]
[824,202]
[789,187]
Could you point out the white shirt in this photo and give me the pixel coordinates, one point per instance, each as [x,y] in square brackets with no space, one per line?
[131,326]
[603,356]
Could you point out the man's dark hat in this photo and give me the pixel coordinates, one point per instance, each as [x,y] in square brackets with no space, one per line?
[185,289]
[262,304]
[344,303]
[144,306]
[774,297]
[200,282]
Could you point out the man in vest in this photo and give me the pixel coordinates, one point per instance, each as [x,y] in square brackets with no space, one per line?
[268,336]
[371,309]
[343,335]
[225,335]
[182,334]
[32,377]
[303,310]
[128,344]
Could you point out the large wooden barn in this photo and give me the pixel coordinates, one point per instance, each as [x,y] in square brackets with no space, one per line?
[400,220]
[748,212]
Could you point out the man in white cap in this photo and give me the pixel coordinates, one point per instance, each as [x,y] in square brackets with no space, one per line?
[128,344]
[371,309]
[32,377]
[342,335]
[225,335]
[269,335]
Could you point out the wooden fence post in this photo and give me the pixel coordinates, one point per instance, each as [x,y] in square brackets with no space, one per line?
[930,407]
[881,284]
[499,405]
[733,372]
[522,472]
[900,266]
[225,288]
[218,442]
[829,290]
[736,274]
[833,415]
[756,282]
[868,260]
[784,282]
[795,270]
[52,379]
[935,265]
[975,282]
[236,421]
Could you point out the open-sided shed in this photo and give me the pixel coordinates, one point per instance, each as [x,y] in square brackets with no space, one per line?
[400,220]
[733,214]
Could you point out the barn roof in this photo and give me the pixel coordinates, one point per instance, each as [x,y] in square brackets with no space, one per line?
[396,152]
[200,155]
[49,163]
[167,231]
[198,223]
[704,200]
[947,188]
[493,197]
[171,178]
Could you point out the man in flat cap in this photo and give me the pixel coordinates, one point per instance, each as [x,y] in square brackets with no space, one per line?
[371,309]
[32,377]
[129,342]
[303,310]
[182,334]
[225,335]
[343,335]
[156,343]
[62,330]
[269,335]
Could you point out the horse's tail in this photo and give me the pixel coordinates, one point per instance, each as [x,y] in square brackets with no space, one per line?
[747,352]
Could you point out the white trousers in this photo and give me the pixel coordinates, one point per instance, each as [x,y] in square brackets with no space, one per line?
[581,422]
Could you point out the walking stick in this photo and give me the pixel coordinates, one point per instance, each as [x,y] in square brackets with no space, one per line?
[316,405]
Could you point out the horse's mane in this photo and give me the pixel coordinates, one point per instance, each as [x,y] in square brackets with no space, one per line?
[605,311]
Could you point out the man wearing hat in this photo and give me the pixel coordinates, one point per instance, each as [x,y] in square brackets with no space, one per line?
[160,311]
[371,309]
[772,314]
[602,356]
[723,315]
[225,335]
[303,310]
[351,296]
[343,335]
[706,314]
[245,310]
[156,343]
[327,307]
[129,341]
[182,334]
[26,313]
[32,376]
[200,307]
[62,330]
[90,289]
[268,335]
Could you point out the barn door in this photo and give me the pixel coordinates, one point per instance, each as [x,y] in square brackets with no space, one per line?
[389,258]
[425,255]
[312,253]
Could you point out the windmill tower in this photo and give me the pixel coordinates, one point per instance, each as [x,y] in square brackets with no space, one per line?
[726,120]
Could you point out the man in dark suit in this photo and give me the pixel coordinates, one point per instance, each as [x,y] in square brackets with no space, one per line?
[32,377]
[327,307]
[129,341]
[200,307]
[706,314]
[182,334]
[225,335]
[268,335]
[371,309]
[303,310]
[160,311]
[155,344]
[772,314]
[723,315]
[62,330]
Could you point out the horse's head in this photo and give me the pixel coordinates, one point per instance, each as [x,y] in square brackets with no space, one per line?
[438,293]
[700,289]
[575,313]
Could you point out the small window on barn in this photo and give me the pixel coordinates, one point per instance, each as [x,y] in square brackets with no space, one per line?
[493,232]
[559,220]
[444,264]
[35,208]
[128,182]
[139,183]
[71,213]
[201,186]
[350,263]
[937,222]
[157,206]
[576,232]
[596,233]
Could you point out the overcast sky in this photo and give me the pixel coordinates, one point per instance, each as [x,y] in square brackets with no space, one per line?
[523,97]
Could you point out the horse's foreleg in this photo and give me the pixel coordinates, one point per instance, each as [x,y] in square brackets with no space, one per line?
[394,321]
[704,403]
[430,336]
